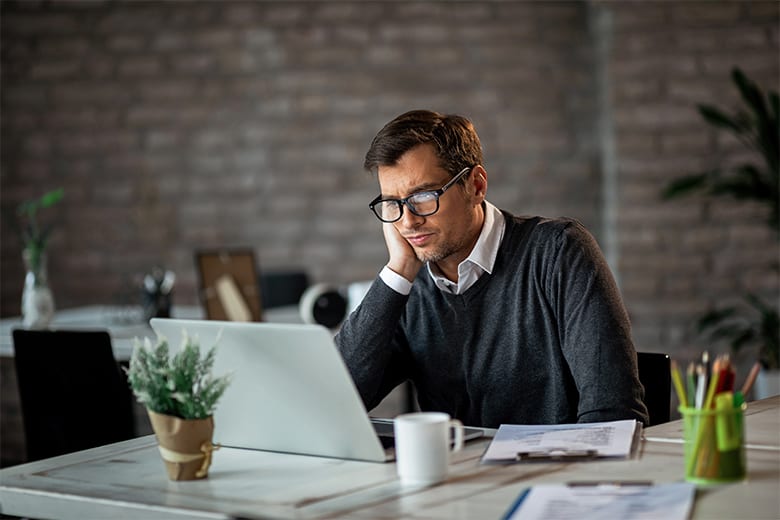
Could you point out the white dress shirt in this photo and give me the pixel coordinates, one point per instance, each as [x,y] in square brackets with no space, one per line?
[480,260]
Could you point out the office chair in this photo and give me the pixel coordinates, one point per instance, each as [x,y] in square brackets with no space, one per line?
[72,393]
[655,374]
[282,288]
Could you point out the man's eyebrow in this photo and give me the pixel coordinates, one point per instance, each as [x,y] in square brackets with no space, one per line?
[428,186]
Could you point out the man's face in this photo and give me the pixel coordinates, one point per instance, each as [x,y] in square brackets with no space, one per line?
[450,233]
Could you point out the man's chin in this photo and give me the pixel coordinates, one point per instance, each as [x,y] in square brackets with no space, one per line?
[426,255]
[422,255]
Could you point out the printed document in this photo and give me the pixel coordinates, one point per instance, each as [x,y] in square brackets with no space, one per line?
[564,441]
[582,502]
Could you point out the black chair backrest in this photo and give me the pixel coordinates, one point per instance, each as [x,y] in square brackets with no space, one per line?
[72,393]
[655,374]
[282,288]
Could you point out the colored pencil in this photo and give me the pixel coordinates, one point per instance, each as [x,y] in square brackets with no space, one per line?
[751,378]
[677,380]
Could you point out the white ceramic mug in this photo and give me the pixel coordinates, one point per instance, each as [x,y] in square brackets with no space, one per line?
[422,446]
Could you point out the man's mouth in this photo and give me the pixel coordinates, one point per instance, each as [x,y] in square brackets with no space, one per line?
[420,239]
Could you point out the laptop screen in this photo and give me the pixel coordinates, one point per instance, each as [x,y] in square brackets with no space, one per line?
[290,390]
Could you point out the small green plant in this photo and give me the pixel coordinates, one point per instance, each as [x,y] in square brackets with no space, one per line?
[34,236]
[181,385]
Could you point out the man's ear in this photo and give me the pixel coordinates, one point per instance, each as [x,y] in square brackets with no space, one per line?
[478,180]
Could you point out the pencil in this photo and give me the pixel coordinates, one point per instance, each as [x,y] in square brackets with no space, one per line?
[751,378]
[711,390]
[691,384]
[703,453]
[677,380]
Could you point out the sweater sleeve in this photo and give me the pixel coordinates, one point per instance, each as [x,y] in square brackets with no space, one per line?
[372,343]
[595,331]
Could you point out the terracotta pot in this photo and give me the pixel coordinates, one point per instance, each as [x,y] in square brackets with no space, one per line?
[185,445]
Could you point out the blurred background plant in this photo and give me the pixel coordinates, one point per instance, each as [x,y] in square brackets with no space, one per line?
[35,235]
[757,125]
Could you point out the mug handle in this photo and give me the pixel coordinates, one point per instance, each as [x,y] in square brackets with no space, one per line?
[457,426]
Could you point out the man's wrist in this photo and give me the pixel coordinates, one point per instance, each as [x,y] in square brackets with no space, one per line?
[395,281]
[406,268]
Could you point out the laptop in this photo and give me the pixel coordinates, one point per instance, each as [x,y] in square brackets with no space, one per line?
[290,390]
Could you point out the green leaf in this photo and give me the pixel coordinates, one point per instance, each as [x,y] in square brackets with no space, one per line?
[750,93]
[774,106]
[46,200]
[51,198]
[758,303]
[685,185]
[741,188]
[744,337]
[714,317]
[759,178]
[716,117]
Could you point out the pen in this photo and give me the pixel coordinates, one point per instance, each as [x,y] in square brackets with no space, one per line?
[585,483]
[700,383]
[556,455]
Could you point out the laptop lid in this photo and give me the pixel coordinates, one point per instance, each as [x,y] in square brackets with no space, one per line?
[290,390]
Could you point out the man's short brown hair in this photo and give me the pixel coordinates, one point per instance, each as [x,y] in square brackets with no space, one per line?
[453,138]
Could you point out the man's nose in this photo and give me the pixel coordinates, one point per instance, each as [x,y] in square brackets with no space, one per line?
[409,220]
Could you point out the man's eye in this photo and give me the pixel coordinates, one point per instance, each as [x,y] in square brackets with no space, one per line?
[422,197]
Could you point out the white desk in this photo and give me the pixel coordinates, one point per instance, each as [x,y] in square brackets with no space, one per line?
[127,480]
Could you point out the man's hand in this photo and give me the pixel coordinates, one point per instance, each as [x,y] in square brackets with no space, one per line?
[403,259]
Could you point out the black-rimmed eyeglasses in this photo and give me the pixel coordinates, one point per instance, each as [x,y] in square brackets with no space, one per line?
[422,203]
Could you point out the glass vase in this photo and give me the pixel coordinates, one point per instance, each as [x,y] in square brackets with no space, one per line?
[37,298]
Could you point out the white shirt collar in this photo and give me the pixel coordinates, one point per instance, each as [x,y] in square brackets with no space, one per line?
[481,259]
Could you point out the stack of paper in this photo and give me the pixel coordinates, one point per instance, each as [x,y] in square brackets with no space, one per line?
[514,442]
[578,502]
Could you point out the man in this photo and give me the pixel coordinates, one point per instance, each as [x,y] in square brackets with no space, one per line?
[494,318]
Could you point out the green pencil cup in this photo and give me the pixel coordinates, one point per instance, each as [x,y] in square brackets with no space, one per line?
[714,444]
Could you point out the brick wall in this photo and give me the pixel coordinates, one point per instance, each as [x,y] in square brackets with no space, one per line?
[678,258]
[175,126]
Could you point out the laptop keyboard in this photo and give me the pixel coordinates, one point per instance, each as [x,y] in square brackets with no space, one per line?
[383,427]
[387,441]
[384,430]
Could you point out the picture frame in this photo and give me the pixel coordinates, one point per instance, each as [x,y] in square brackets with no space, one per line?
[229,288]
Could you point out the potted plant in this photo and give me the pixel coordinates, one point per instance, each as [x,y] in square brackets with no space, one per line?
[180,396]
[755,322]
[37,299]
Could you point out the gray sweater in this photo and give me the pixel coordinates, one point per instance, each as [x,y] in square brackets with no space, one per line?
[544,339]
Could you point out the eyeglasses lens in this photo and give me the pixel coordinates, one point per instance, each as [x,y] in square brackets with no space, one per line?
[388,211]
[424,204]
